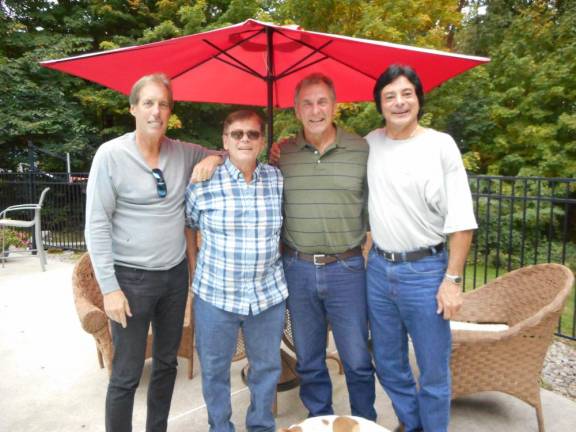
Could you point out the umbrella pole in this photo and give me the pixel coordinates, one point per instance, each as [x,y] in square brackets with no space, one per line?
[270,87]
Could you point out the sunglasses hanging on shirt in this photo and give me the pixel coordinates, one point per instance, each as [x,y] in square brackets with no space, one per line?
[160,182]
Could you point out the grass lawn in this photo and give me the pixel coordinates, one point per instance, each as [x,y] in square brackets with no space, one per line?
[485,274]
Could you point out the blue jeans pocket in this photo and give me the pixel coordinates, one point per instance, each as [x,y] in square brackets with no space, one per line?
[129,275]
[429,266]
[288,261]
[354,264]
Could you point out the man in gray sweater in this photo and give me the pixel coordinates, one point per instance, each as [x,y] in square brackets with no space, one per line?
[135,235]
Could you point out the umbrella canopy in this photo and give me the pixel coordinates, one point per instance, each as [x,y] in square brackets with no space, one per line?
[258,63]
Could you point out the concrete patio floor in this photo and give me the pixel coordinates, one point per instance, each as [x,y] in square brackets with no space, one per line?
[51,380]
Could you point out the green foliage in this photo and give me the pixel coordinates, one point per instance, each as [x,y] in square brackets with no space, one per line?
[516,229]
[10,237]
[518,111]
[517,115]
[193,17]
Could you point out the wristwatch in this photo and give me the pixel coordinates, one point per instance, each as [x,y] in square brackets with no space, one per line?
[457,279]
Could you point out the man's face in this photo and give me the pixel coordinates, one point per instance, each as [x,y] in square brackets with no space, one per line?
[400,104]
[241,142]
[315,108]
[152,110]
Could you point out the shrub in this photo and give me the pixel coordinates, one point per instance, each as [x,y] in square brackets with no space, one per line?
[18,239]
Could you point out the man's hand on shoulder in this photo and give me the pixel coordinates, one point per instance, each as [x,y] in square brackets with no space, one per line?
[116,307]
[204,170]
[274,155]
[275,151]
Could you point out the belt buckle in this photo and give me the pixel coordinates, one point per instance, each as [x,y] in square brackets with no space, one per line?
[390,256]
[319,256]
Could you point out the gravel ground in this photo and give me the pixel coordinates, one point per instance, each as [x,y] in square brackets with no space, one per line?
[558,375]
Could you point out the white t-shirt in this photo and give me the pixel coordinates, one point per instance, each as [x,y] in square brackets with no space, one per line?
[418,190]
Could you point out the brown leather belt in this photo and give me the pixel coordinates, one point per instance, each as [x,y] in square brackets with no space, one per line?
[323,259]
[396,257]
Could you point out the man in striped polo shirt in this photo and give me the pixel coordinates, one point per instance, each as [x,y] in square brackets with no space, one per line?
[325,221]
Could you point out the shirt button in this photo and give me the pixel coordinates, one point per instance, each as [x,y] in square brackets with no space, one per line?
[315,151]
[318,161]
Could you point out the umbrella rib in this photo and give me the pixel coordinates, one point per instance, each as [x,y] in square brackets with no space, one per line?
[288,70]
[247,70]
[219,50]
[285,74]
[240,65]
[327,55]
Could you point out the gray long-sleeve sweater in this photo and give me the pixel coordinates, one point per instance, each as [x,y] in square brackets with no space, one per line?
[127,223]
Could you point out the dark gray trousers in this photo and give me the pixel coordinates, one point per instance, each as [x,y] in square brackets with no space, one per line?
[157,297]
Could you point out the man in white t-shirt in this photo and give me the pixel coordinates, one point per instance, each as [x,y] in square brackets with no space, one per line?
[419,199]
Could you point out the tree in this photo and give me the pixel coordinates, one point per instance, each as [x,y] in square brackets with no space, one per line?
[66,114]
[424,23]
[518,113]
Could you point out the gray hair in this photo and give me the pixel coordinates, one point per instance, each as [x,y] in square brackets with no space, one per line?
[312,79]
[158,78]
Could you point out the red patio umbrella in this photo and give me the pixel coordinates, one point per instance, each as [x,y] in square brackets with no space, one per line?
[258,63]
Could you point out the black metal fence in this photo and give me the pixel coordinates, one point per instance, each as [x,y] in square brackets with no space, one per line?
[64,206]
[522,220]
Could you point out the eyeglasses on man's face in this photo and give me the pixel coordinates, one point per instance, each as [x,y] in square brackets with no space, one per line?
[238,134]
[160,182]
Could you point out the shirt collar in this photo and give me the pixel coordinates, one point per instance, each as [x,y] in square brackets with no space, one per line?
[338,141]
[236,173]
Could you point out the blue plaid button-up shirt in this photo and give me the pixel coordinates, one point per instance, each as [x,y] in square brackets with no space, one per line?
[239,268]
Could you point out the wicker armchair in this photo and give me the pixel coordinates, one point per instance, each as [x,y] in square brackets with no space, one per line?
[529,300]
[89,305]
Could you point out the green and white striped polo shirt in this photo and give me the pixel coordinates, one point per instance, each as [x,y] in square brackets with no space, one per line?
[325,195]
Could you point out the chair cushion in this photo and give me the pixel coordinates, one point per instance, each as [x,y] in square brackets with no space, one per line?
[479,327]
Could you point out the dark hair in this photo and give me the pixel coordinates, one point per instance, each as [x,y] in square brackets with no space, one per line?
[244,115]
[393,72]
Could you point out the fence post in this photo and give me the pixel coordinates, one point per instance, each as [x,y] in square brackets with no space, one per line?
[31,185]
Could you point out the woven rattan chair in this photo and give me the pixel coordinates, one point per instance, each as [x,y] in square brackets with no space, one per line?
[529,301]
[89,305]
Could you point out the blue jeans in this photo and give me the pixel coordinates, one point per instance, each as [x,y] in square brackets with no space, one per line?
[157,297]
[332,294]
[401,302]
[216,336]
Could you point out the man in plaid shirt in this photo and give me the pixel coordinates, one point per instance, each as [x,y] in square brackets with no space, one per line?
[239,280]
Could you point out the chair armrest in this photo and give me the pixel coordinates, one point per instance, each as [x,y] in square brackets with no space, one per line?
[91,317]
[19,208]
